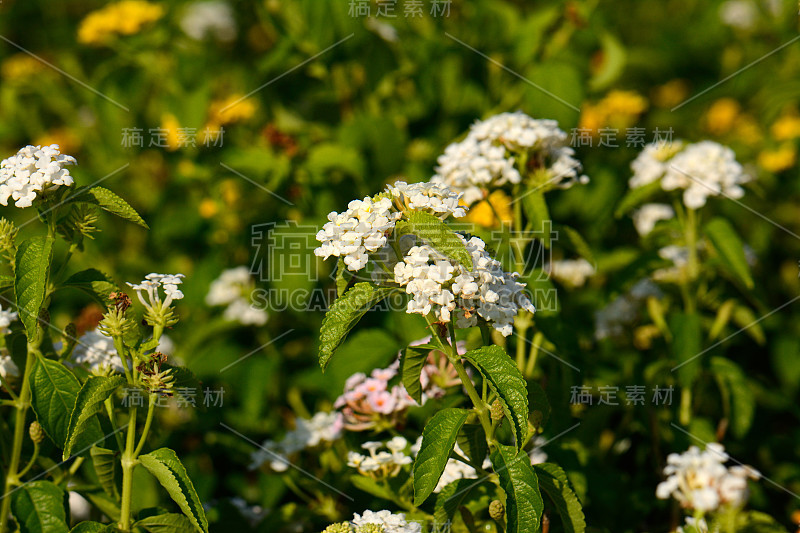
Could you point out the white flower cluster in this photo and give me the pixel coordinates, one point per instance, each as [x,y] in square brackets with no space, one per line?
[31,171]
[486,157]
[701,481]
[8,369]
[381,464]
[6,318]
[233,288]
[357,232]
[432,197]
[646,217]
[152,282]
[322,427]
[392,523]
[613,319]
[447,288]
[572,272]
[701,170]
[210,18]
[97,352]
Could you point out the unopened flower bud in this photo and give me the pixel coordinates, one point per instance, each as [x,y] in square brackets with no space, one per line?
[341,527]
[497,510]
[36,432]
[497,410]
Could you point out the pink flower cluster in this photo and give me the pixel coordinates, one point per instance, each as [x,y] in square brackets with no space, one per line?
[372,403]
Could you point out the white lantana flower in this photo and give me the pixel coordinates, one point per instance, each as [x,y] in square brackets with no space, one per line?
[446,288]
[96,350]
[381,464]
[646,217]
[486,158]
[572,272]
[435,198]
[392,523]
[152,282]
[210,18]
[33,171]
[6,318]
[700,480]
[233,288]
[8,369]
[701,170]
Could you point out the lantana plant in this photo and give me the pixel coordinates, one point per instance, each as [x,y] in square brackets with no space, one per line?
[62,388]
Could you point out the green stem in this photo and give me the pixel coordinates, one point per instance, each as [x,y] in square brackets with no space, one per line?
[148,422]
[128,464]
[22,405]
[31,461]
[538,338]
[113,419]
[8,388]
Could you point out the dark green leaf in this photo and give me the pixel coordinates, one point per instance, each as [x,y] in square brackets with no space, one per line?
[344,314]
[108,201]
[730,249]
[106,463]
[524,505]
[32,266]
[636,197]
[412,361]
[6,281]
[737,392]
[538,215]
[87,404]
[472,441]
[577,242]
[94,283]
[54,390]
[170,472]
[686,343]
[38,507]
[166,523]
[89,527]
[507,382]
[553,481]
[449,499]
[438,440]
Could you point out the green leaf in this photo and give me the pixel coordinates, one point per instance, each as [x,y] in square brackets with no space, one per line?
[507,382]
[686,343]
[553,481]
[745,318]
[438,235]
[539,405]
[108,201]
[344,314]
[30,284]
[730,249]
[6,281]
[38,507]
[106,505]
[89,527]
[524,505]
[170,472]
[87,404]
[737,392]
[472,441]
[106,463]
[343,277]
[93,282]
[449,499]
[438,440]
[166,523]
[538,215]
[577,242]
[636,197]
[54,390]
[412,360]
[370,486]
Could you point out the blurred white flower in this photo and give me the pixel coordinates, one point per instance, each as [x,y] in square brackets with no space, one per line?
[700,480]
[211,18]
[96,350]
[79,507]
[646,217]
[308,433]
[234,288]
[739,14]
[572,272]
[8,369]
[32,171]
[614,318]
[6,318]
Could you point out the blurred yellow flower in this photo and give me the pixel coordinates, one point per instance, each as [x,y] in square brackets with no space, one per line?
[722,115]
[671,93]
[21,66]
[66,140]
[748,130]
[230,192]
[232,109]
[172,137]
[779,159]
[123,18]
[618,109]
[486,212]
[786,128]
[208,208]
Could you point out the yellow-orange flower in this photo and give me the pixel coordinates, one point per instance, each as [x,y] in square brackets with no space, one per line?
[779,159]
[172,134]
[618,109]
[231,109]
[722,115]
[208,208]
[486,213]
[786,128]
[66,140]
[123,18]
